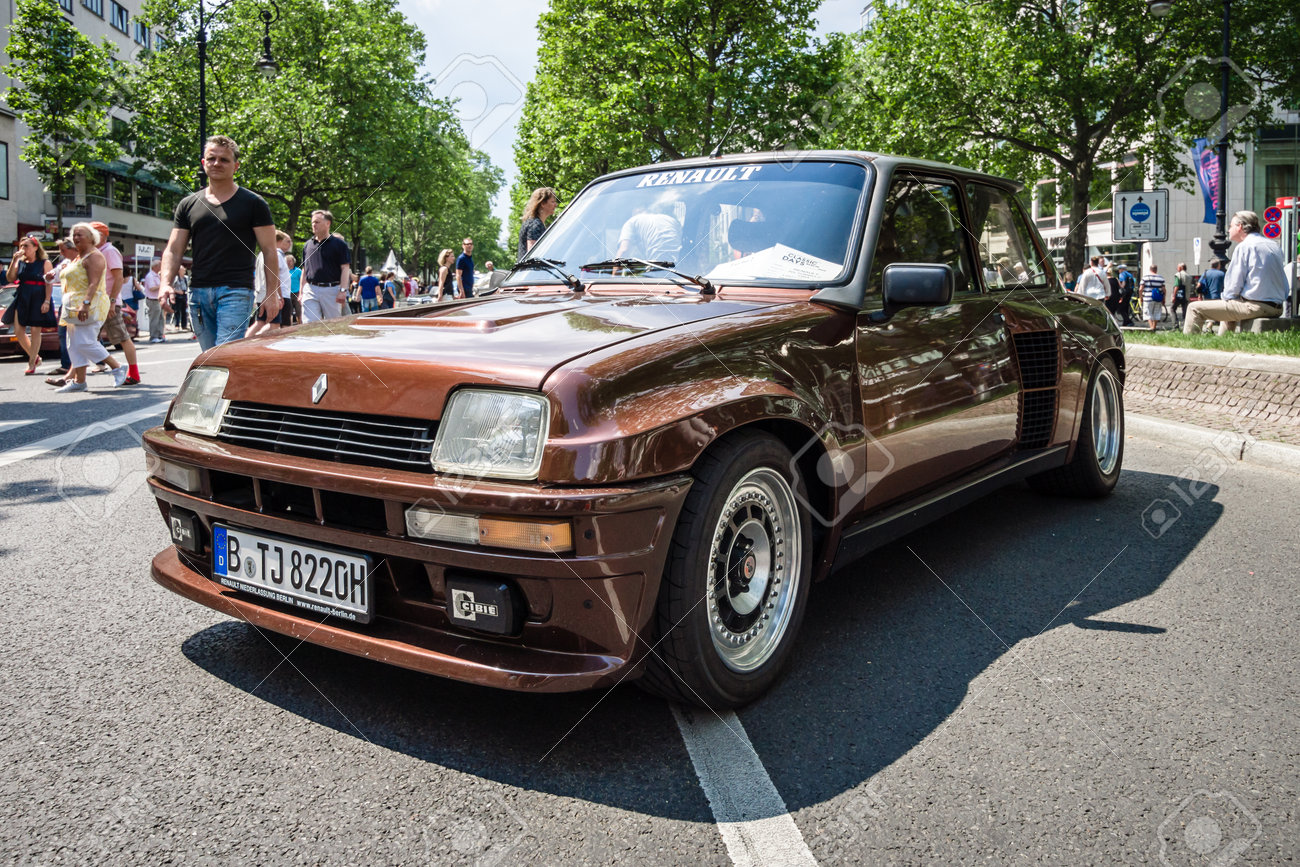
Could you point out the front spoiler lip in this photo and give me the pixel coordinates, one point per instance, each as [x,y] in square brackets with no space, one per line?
[478,662]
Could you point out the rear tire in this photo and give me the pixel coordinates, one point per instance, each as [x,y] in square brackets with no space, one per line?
[1099,452]
[736,581]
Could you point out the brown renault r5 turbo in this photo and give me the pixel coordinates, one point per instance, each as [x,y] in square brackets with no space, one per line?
[716,381]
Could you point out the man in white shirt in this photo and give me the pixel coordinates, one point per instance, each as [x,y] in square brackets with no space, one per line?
[654,236]
[1092,282]
[1255,285]
[149,285]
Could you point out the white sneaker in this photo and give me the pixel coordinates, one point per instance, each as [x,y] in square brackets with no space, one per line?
[71,386]
[119,375]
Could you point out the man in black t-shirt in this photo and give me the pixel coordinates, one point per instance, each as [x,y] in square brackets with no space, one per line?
[226,224]
[326,270]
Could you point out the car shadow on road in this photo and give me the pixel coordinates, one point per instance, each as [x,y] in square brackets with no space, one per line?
[888,652]
[892,644]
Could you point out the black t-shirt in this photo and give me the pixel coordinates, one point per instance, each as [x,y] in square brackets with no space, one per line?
[225,247]
[323,261]
[531,230]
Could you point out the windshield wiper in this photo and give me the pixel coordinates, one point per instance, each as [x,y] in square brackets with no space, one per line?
[555,267]
[706,288]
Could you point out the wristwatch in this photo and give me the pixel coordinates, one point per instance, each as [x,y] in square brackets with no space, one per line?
[85,302]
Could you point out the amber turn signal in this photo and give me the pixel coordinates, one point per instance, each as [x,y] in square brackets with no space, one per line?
[553,536]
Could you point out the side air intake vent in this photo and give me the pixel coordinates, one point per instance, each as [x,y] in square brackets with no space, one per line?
[1037,354]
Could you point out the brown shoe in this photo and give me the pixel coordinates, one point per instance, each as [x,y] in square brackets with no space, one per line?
[55,380]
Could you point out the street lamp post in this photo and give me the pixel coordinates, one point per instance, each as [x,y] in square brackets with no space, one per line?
[1220,244]
[266,65]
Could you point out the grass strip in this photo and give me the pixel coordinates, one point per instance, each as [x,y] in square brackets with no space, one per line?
[1268,343]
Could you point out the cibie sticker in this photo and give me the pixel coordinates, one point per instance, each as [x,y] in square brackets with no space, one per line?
[717,174]
[777,262]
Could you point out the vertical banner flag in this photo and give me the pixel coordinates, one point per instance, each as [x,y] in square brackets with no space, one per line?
[1206,162]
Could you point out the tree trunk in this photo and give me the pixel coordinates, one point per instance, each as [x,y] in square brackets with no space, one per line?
[1076,242]
[295,212]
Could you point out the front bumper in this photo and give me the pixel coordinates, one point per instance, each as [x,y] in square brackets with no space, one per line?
[586,614]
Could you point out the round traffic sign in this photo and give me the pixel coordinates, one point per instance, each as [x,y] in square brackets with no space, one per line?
[1272,230]
[1140,211]
[1273,215]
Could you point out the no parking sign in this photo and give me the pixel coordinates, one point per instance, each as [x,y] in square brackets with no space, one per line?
[1273,223]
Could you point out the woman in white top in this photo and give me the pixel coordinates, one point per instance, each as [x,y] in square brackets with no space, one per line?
[259,325]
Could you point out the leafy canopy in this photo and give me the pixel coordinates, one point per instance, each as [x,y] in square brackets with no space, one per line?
[63,90]
[625,82]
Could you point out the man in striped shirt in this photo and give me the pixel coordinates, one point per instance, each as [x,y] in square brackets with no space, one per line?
[1153,297]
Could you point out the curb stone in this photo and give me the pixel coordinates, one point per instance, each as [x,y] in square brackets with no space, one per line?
[1234,360]
[1276,456]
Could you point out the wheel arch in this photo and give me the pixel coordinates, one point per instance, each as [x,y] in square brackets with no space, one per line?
[808,451]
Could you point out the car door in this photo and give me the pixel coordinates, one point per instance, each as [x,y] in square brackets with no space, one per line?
[1019,275]
[938,384]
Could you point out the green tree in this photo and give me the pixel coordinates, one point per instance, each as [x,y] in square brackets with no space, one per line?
[348,124]
[60,92]
[625,82]
[1050,88]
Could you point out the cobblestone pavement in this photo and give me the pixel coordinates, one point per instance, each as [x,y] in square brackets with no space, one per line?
[1216,418]
[1254,394]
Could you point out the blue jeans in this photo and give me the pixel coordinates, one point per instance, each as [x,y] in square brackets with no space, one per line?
[64,358]
[220,313]
[368,304]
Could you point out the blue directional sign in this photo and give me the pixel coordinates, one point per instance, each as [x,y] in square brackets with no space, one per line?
[1140,215]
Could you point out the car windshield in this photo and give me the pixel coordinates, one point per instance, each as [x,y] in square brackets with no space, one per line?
[757,223]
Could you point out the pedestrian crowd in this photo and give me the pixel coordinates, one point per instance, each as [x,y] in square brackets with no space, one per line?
[243,279]
[1253,286]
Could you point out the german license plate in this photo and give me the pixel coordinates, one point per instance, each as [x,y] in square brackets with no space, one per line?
[324,580]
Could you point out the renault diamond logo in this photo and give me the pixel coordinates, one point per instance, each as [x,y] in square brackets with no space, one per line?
[318,390]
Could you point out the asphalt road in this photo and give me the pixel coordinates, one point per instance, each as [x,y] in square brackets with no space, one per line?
[1029,680]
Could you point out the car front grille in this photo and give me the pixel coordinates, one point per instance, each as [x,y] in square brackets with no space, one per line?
[350,438]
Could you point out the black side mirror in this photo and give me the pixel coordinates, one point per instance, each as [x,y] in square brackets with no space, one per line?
[915,284]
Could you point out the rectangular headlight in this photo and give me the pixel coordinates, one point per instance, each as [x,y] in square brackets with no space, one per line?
[493,434]
[199,407]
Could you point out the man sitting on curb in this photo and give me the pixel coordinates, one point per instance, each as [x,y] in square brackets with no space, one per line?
[1255,285]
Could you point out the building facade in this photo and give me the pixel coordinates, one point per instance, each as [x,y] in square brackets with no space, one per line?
[136,205]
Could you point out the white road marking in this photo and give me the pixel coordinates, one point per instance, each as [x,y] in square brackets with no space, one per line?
[58,441]
[18,422]
[751,816]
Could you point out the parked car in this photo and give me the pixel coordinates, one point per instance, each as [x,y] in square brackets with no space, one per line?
[49,336]
[9,340]
[716,381]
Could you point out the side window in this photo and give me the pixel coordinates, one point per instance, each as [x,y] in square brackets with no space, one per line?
[922,223]
[1008,257]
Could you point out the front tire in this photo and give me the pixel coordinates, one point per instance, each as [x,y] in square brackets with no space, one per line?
[1099,452]
[736,581]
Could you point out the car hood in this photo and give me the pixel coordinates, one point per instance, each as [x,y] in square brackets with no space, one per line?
[404,362]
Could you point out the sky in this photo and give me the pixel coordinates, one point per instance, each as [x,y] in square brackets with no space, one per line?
[483,54]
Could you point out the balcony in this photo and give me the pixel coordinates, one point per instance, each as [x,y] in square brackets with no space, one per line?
[147,221]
